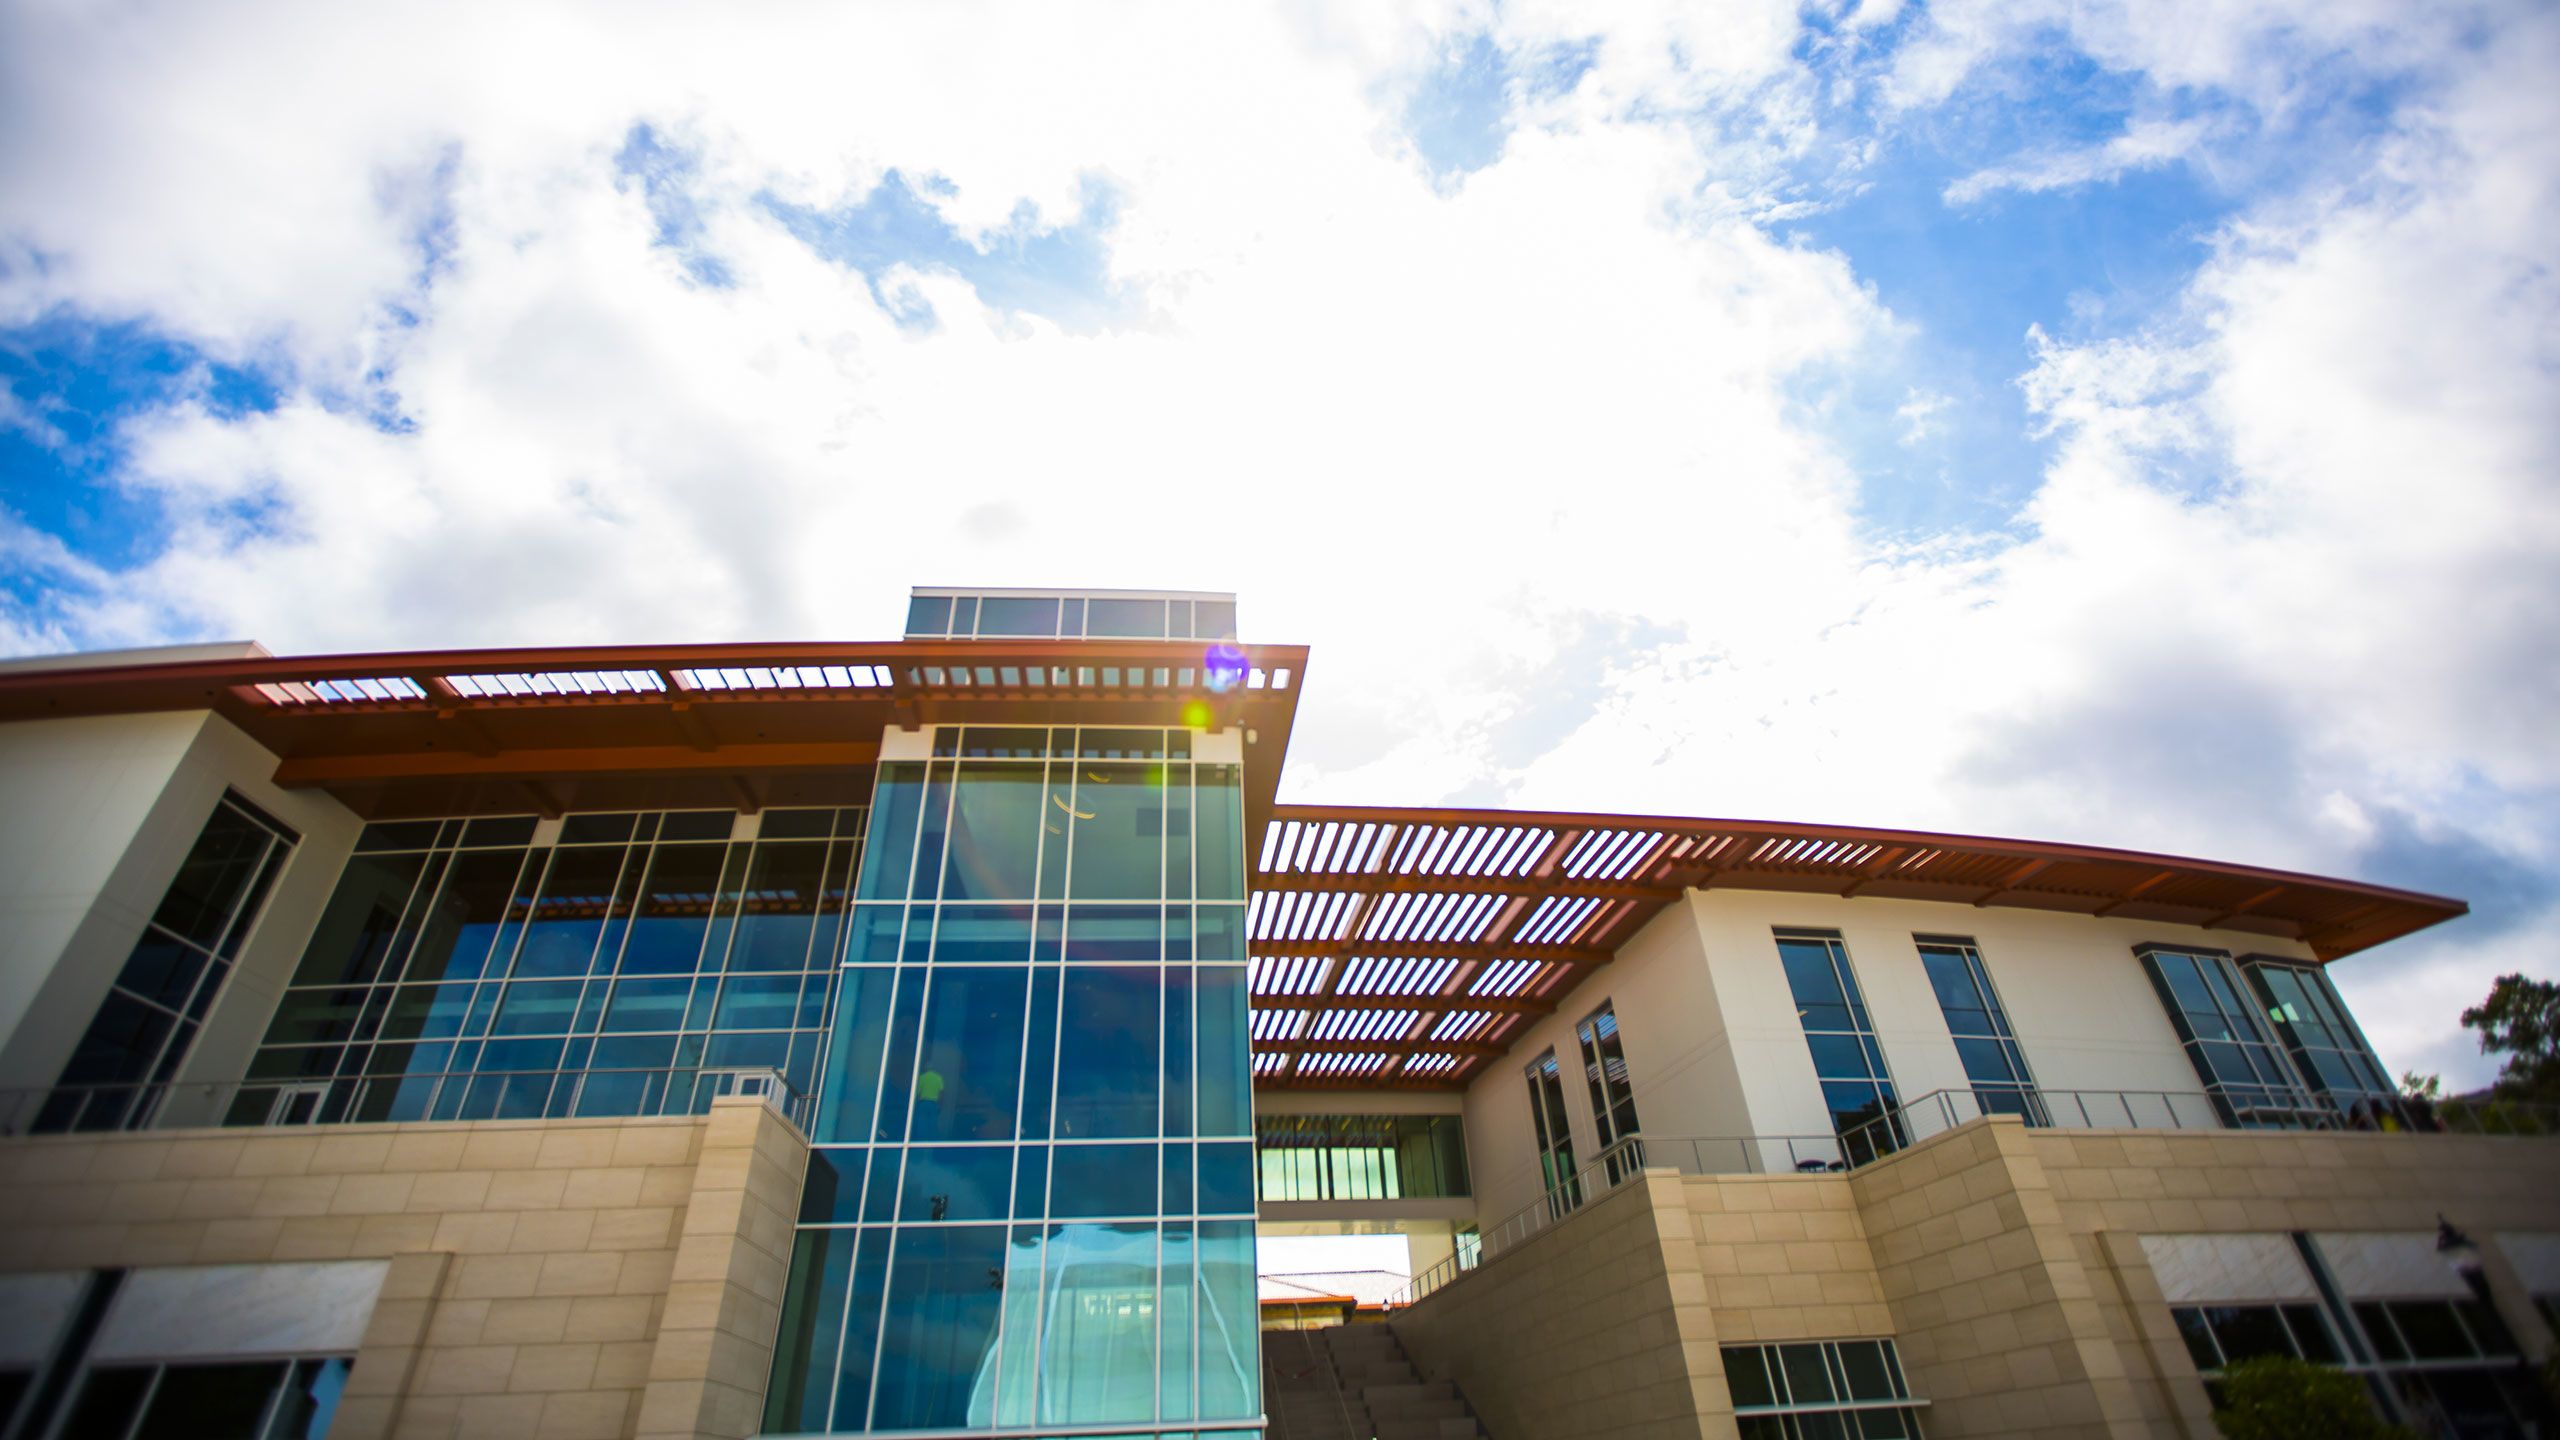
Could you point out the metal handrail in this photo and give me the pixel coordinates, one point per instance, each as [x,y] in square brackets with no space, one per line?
[393,1099]
[1941,1110]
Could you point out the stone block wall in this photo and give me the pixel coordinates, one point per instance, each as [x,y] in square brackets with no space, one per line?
[1598,1326]
[2005,1263]
[550,1279]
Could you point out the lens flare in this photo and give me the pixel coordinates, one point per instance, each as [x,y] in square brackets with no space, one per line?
[1196,714]
[1225,667]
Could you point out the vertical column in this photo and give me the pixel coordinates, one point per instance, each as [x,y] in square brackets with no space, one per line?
[707,1374]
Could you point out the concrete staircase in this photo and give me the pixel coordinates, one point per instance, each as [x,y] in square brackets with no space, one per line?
[1353,1382]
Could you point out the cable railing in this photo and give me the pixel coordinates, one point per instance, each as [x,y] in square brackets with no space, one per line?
[392,1099]
[1904,1125]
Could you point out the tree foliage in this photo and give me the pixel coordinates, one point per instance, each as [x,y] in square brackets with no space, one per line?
[2521,1019]
[2276,1397]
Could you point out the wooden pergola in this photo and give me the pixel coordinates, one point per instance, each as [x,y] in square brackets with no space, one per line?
[1406,948]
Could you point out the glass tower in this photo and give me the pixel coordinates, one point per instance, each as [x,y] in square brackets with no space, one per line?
[1030,1206]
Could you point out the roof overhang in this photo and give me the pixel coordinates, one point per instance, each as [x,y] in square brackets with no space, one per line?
[1405,948]
[602,727]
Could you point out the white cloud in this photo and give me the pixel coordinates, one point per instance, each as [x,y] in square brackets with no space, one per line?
[1520,459]
[2145,145]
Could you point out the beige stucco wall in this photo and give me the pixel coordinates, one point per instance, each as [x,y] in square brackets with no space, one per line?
[2005,1263]
[1714,1048]
[561,1279]
[124,796]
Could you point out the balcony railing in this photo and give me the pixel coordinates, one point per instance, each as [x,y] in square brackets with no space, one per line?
[1943,1110]
[392,1099]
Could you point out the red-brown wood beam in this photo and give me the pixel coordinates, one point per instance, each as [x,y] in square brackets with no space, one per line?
[2010,882]
[1468,885]
[2136,893]
[538,764]
[1421,950]
[2245,906]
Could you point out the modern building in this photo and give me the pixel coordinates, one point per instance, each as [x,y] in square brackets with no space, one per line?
[916,1037]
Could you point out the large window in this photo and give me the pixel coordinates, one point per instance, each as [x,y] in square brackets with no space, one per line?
[637,965]
[1856,1087]
[2449,1364]
[1980,1028]
[1613,1099]
[1361,1157]
[2328,1050]
[1555,1135]
[1015,615]
[1822,1390]
[219,1400]
[2244,1072]
[148,1022]
[1031,1199]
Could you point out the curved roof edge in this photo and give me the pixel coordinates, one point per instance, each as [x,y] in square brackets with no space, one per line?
[1473,918]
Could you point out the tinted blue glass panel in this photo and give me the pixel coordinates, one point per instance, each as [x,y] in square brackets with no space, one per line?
[994,844]
[874,934]
[1118,833]
[957,1182]
[940,1329]
[757,1002]
[896,799]
[1230,1360]
[928,615]
[1226,1179]
[1226,1096]
[1102,1180]
[1011,615]
[458,928]
[1176,1194]
[647,1004]
[852,1083]
[569,919]
[1115,934]
[1108,1034]
[537,1007]
[832,1191]
[812,1321]
[1218,806]
[779,908]
[983,935]
[969,1075]
[861,1326]
[1124,619]
[1097,1356]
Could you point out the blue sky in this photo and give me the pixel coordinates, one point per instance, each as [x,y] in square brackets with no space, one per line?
[2097,421]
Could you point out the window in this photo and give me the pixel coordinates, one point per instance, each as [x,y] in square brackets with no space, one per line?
[2222,1335]
[1856,1087]
[1613,1100]
[148,1021]
[251,1399]
[2244,1072]
[2328,1050]
[638,965]
[1555,1135]
[1822,1390]
[1360,1157]
[1980,1028]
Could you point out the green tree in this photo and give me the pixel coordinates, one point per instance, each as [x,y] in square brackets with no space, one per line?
[2276,1397]
[2521,1020]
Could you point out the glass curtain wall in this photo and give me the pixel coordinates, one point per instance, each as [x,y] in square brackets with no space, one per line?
[636,966]
[2327,1047]
[2244,1071]
[148,1021]
[1555,1135]
[1980,1028]
[1856,1087]
[1361,1157]
[1613,1100]
[1031,1201]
